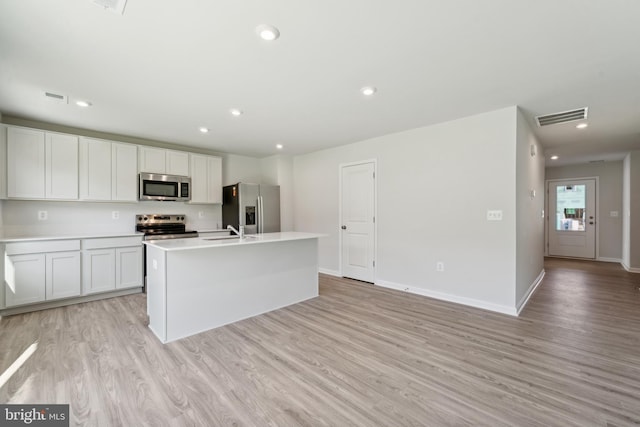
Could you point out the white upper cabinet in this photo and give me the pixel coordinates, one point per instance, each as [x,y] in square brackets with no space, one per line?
[25,163]
[61,166]
[206,179]
[160,160]
[108,170]
[3,162]
[41,165]
[177,163]
[152,160]
[95,169]
[124,172]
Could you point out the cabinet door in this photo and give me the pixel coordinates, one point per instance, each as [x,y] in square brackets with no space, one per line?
[199,178]
[95,169]
[128,267]
[25,163]
[177,163]
[62,275]
[3,162]
[206,179]
[61,166]
[98,270]
[215,180]
[152,160]
[124,185]
[24,279]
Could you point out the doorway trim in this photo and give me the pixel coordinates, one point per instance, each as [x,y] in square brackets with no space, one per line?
[375,213]
[547,184]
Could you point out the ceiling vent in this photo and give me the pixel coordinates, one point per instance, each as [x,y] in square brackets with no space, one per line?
[56,97]
[116,6]
[565,116]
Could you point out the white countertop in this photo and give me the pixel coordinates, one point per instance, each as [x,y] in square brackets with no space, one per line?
[250,239]
[12,238]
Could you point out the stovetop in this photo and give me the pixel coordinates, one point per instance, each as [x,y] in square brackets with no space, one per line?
[163,226]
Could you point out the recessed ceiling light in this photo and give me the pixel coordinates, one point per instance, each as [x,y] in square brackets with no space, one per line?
[368,90]
[554,157]
[279,146]
[267,32]
[83,104]
[582,125]
[235,112]
[204,129]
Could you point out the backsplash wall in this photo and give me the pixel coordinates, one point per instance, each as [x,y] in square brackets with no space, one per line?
[20,217]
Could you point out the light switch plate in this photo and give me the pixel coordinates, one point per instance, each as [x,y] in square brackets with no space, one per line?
[613,214]
[494,215]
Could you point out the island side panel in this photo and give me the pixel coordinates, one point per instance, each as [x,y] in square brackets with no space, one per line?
[156,292]
[211,287]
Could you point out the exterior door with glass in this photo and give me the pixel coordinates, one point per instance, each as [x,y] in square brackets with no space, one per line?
[572,218]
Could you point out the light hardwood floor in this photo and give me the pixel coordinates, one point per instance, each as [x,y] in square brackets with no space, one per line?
[357,355]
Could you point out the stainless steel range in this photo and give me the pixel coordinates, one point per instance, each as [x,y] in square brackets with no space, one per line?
[161,226]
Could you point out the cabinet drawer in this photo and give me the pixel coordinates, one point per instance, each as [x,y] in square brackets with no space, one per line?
[111,242]
[19,248]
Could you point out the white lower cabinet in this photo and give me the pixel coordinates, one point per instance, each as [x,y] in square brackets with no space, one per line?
[128,267]
[62,276]
[48,270]
[24,279]
[41,271]
[98,270]
[111,263]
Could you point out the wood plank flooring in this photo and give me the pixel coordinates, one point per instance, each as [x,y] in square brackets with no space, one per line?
[358,355]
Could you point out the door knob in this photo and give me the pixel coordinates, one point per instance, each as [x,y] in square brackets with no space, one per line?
[344,227]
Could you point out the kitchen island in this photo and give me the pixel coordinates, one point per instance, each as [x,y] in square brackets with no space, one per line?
[197,284]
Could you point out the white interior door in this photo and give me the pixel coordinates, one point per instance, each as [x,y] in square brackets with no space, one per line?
[572,218]
[357,221]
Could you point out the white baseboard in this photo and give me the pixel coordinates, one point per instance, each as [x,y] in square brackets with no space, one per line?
[604,259]
[525,298]
[450,298]
[330,272]
[630,269]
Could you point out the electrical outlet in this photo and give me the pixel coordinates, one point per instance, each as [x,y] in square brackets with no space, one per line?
[201,215]
[43,215]
[494,215]
[613,214]
[115,214]
[439,266]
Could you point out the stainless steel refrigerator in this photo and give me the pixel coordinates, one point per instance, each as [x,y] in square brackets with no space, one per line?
[255,206]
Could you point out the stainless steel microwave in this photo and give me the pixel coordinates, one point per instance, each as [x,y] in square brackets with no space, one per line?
[154,186]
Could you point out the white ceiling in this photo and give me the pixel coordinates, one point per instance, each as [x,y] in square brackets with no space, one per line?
[165,68]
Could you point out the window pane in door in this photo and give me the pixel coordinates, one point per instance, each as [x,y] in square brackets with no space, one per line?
[570,207]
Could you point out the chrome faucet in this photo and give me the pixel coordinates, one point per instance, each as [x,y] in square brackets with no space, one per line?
[239,233]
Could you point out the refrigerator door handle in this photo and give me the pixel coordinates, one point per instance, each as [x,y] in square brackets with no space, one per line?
[261,215]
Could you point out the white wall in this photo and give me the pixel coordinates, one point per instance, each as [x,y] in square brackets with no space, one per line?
[633,212]
[278,170]
[626,211]
[20,217]
[237,168]
[435,185]
[529,208]
[609,199]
